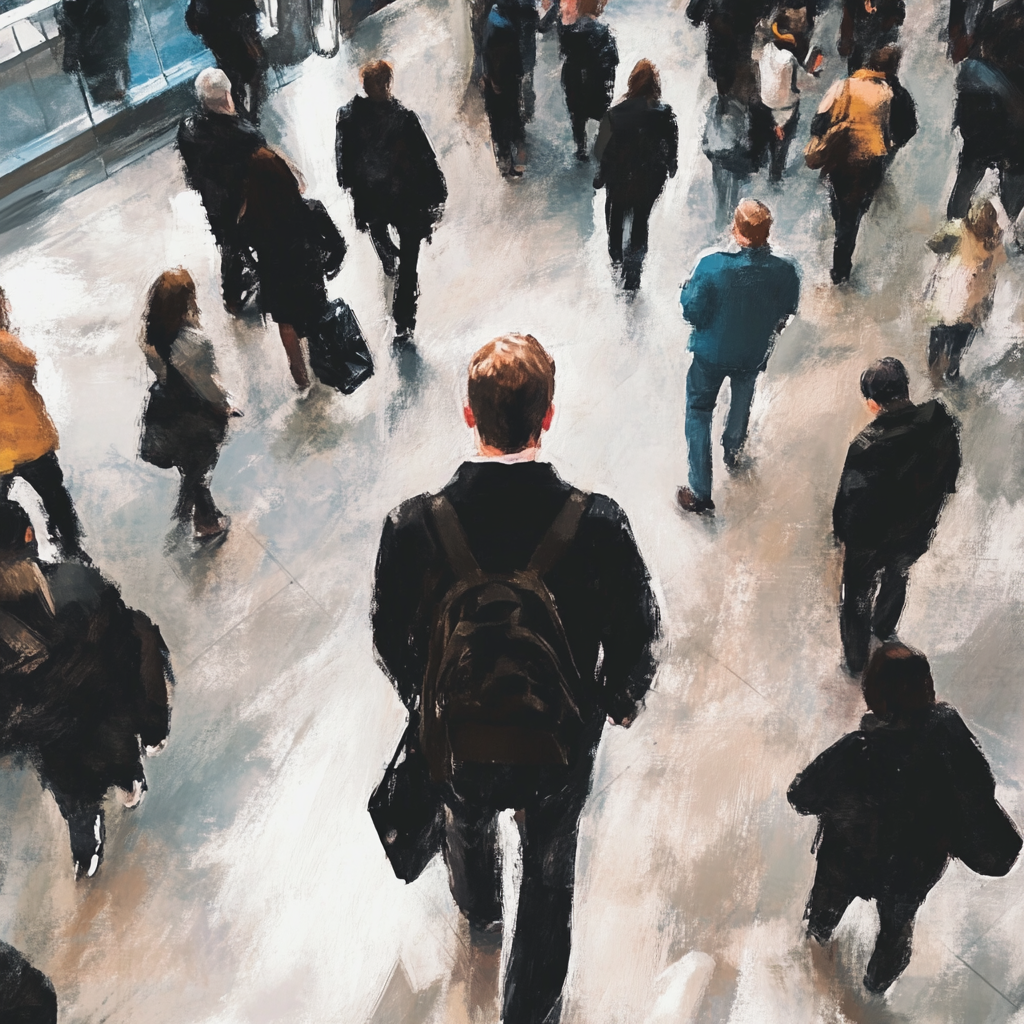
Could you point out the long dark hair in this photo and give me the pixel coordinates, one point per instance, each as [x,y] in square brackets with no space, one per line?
[171,300]
[272,197]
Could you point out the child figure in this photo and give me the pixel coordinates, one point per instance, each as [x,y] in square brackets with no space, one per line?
[963,283]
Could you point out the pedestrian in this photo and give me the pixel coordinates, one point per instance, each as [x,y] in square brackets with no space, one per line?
[186,417]
[281,229]
[96,36]
[590,58]
[230,30]
[782,59]
[637,149]
[731,25]
[895,800]
[386,162]
[216,146]
[737,302]
[989,112]
[970,253]
[508,56]
[899,471]
[554,623]
[84,684]
[29,441]
[866,27]
[863,121]
[26,994]
[738,130]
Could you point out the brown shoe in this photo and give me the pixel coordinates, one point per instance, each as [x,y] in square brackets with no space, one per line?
[689,502]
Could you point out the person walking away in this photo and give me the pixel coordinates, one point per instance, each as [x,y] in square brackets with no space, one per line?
[216,146]
[731,25]
[185,420]
[895,800]
[858,129]
[782,58]
[737,303]
[590,58]
[738,129]
[29,441]
[84,684]
[970,253]
[230,31]
[280,228]
[503,72]
[513,727]
[386,162]
[868,26]
[637,149]
[899,471]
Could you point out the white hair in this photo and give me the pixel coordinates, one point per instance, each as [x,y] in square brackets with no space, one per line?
[212,86]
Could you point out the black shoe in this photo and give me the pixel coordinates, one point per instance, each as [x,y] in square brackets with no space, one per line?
[733,459]
[839,276]
[689,502]
[87,832]
[402,342]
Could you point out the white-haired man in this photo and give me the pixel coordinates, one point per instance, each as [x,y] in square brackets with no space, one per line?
[216,146]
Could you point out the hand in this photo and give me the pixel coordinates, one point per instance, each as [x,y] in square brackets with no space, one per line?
[625,722]
[817,64]
[780,132]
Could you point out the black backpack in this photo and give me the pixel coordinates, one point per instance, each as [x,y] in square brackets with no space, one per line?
[500,681]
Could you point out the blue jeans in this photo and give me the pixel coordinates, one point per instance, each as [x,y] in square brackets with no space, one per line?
[703,383]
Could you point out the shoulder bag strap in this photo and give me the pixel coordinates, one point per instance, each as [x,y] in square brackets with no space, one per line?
[560,534]
[453,538]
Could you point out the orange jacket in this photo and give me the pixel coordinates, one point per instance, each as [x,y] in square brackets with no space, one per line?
[26,430]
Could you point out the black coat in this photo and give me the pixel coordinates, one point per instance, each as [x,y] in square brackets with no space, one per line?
[215,149]
[892,799]
[601,586]
[899,470]
[386,161]
[588,71]
[639,149]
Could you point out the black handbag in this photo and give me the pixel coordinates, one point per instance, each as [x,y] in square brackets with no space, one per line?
[337,349]
[988,840]
[407,809]
[326,237]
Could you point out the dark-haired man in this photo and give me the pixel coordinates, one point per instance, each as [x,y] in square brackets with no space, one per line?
[536,556]
[387,163]
[899,471]
[84,683]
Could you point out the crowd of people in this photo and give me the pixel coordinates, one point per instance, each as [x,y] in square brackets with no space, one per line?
[513,612]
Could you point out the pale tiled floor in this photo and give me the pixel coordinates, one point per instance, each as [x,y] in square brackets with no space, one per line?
[250,886]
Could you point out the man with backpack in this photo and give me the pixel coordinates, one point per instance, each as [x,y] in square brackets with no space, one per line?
[514,614]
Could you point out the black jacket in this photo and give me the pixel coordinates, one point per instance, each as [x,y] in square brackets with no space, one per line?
[216,149]
[601,586]
[891,799]
[899,470]
[386,161]
[588,70]
[638,147]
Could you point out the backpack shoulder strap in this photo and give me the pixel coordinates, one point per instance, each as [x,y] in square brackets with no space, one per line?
[560,534]
[453,538]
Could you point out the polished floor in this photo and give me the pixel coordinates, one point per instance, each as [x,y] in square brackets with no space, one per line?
[249,887]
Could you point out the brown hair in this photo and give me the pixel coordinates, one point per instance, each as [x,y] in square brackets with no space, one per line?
[885,60]
[983,223]
[5,316]
[171,299]
[898,681]
[511,386]
[377,77]
[644,81]
[753,220]
[272,198]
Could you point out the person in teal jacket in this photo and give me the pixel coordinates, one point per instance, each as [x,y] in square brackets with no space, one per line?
[738,303]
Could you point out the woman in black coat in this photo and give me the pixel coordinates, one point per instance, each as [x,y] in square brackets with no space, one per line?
[638,146]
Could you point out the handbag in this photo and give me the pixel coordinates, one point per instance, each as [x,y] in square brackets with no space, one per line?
[326,237]
[988,840]
[407,809]
[338,352]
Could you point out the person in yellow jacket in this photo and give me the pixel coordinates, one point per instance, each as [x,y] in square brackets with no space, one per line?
[861,124]
[28,439]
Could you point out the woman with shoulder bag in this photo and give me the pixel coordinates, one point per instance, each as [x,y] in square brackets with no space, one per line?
[186,416]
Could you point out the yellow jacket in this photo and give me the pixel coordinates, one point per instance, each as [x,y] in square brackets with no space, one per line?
[859,109]
[26,430]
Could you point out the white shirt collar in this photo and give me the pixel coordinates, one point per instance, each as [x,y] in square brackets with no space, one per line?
[526,455]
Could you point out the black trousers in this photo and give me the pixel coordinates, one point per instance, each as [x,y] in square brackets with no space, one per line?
[971,168]
[548,802]
[874,593]
[616,210]
[195,501]
[950,340]
[407,255]
[508,124]
[778,149]
[893,947]
[45,477]
[851,190]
